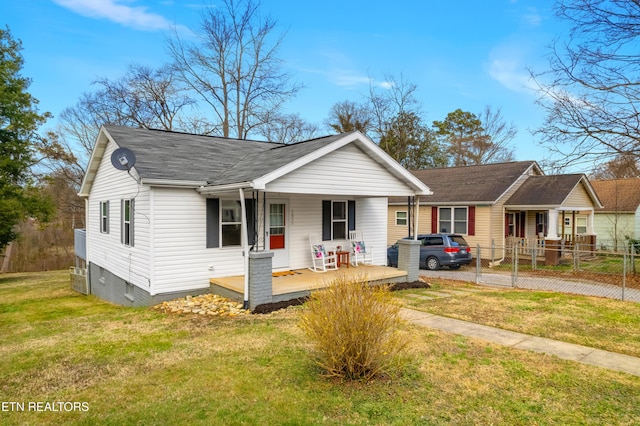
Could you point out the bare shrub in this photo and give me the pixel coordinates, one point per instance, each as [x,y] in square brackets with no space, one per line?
[354,328]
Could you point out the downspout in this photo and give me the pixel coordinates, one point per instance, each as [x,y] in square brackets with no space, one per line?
[409,218]
[417,217]
[245,248]
[493,262]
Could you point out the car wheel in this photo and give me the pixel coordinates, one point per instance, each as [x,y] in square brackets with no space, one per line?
[456,266]
[433,264]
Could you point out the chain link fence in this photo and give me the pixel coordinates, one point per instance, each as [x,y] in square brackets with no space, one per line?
[568,269]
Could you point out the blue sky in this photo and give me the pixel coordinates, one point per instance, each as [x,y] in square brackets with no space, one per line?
[461,54]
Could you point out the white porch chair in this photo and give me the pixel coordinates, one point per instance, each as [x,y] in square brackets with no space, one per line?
[322,260]
[360,252]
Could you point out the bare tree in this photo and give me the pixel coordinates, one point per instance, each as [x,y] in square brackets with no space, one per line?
[348,116]
[143,97]
[388,101]
[235,67]
[621,167]
[501,134]
[288,128]
[592,90]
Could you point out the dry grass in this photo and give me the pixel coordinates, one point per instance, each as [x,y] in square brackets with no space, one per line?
[592,321]
[139,366]
[354,328]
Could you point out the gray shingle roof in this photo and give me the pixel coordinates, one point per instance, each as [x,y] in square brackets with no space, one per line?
[259,163]
[544,190]
[470,184]
[181,156]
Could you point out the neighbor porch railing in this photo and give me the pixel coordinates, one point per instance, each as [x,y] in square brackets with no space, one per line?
[526,246]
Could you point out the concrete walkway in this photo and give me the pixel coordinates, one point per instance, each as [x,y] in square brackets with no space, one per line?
[569,351]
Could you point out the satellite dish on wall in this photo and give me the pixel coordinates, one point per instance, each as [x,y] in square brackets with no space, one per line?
[123,159]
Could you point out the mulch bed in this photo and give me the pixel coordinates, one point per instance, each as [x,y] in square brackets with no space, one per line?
[267,308]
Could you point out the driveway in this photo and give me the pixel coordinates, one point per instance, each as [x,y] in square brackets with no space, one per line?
[538,283]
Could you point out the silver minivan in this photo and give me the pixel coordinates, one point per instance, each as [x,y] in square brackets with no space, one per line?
[437,250]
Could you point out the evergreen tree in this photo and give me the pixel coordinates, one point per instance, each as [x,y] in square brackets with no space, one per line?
[19,121]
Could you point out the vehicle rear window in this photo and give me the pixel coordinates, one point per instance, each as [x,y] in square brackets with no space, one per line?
[434,241]
[459,240]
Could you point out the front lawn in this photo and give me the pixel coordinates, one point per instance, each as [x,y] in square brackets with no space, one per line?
[139,366]
[597,322]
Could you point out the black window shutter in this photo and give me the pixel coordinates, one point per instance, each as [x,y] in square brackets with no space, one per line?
[249,206]
[351,215]
[326,220]
[213,222]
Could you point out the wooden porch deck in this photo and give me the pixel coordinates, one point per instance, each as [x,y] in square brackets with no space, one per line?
[296,283]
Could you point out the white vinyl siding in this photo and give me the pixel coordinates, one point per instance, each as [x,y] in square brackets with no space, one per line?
[106,250]
[306,218]
[181,259]
[346,171]
[613,228]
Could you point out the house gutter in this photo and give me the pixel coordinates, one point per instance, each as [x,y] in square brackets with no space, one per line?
[208,189]
[173,183]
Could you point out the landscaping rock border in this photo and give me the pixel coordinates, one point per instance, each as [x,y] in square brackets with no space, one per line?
[205,304]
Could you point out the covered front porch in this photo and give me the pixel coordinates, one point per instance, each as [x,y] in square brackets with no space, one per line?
[292,284]
[551,214]
[530,230]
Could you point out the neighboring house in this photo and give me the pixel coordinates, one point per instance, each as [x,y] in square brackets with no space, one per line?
[619,218]
[500,204]
[192,208]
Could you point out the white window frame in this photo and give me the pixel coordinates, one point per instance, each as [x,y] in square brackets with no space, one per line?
[402,221]
[104,217]
[127,225]
[229,221]
[580,220]
[453,221]
[344,221]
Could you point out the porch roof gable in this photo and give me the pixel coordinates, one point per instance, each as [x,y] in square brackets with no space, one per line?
[551,191]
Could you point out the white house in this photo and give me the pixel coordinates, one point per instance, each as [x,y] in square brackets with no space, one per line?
[189,208]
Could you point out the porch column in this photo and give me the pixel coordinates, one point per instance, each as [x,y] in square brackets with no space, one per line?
[416,216]
[552,231]
[260,278]
[409,258]
[591,231]
[552,241]
[590,222]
